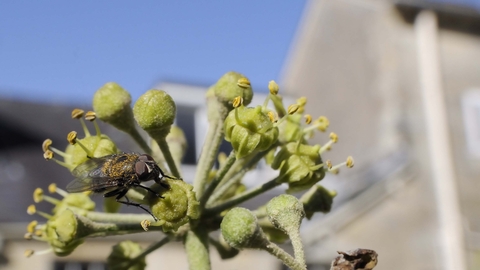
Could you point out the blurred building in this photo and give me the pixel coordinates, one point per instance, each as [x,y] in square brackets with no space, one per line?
[400,83]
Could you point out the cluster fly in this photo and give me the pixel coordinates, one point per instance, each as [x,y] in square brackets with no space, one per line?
[114,175]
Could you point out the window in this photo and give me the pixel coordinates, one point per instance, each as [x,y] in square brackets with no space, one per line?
[471,119]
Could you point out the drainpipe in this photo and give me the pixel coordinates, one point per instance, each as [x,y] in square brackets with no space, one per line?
[452,241]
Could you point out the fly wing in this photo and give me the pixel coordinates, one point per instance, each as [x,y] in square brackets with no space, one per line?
[91,167]
[90,176]
[84,184]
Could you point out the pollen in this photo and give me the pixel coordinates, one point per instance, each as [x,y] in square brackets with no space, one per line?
[293,108]
[322,123]
[77,113]
[350,162]
[145,224]
[302,101]
[273,87]
[52,188]
[243,83]
[46,145]
[90,116]
[72,137]
[28,236]
[31,209]
[31,226]
[334,137]
[272,116]
[308,119]
[38,195]
[237,102]
[48,155]
[28,253]
[329,164]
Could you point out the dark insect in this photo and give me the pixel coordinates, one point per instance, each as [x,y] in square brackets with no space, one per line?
[115,174]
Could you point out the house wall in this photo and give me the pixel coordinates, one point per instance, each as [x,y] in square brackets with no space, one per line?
[356,61]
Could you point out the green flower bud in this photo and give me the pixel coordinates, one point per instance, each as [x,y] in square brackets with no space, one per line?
[286,213]
[111,104]
[270,156]
[317,199]
[232,85]
[177,207]
[249,130]
[155,112]
[80,202]
[110,205]
[240,229]
[300,166]
[122,254]
[291,130]
[98,146]
[63,233]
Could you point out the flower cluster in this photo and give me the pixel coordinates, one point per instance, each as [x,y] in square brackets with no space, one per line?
[272,132]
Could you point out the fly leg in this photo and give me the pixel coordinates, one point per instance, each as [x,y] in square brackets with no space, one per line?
[150,190]
[121,192]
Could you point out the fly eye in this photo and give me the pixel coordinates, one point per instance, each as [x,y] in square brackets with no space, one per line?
[145,158]
[142,170]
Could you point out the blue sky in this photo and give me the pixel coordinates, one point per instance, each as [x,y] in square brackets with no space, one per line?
[63,51]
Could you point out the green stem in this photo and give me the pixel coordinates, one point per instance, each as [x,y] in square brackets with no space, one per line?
[281,254]
[220,175]
[147,251]
[278,104]
[196,246]
[231,180]
[85,128]
[162,143]
[89,228]
[208,155]
[118,218]
[242,197]
[133,132]
[298,248]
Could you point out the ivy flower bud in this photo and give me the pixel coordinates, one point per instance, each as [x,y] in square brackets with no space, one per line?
[317,199]
[240,229]
[249,130]
[232,85]
[286,213]
[110,205]
[63,232]
[111,104]
[81,202]
[300,166]
[123,253]
[155,112]
[177,207]
[290,130]
[97,146]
